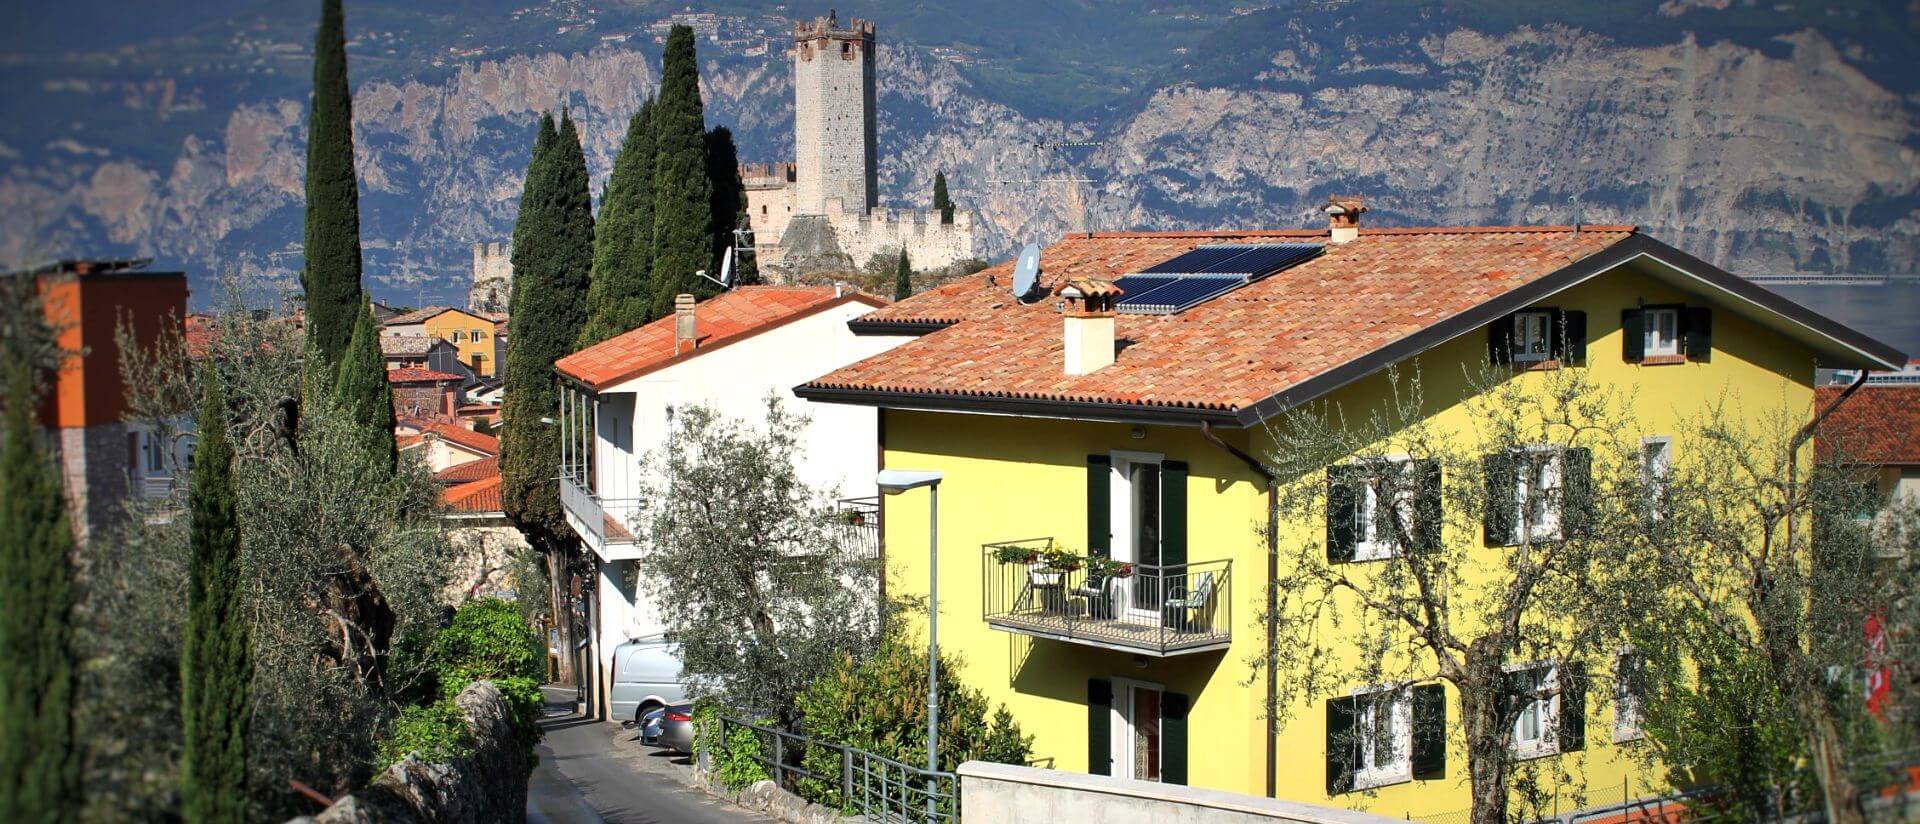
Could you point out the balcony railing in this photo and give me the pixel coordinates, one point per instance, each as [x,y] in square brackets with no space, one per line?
[862,519]
[1155,610]
[602,523]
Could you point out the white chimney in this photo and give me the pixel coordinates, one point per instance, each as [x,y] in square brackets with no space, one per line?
[684,334]
[1343,217]
[1088,324]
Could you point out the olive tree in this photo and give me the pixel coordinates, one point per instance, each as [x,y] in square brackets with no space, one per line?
[765,589]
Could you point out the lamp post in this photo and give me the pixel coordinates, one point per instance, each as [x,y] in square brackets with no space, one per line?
[894,482]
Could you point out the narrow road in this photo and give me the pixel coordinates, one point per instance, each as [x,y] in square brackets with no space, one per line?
[597,772]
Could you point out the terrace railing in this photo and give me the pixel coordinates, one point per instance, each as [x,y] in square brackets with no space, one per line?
[859,782]
[1032,589]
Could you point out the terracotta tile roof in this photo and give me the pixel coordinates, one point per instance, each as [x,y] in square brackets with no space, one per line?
[414,374]
[1225,354]
[1878,425]
[476,496]
[402,345]
[416,316]
[718,321]
[200,334]
[452,433]
[469,471]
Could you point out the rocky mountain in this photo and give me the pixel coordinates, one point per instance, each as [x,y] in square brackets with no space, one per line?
[1768,140]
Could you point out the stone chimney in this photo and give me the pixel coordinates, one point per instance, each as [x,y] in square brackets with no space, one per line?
[685,337]
[1088,325]
[1343,217]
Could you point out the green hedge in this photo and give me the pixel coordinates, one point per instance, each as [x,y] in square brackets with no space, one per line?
[488,640]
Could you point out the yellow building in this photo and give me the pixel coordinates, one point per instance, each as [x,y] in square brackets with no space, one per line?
[480,337]
[1061,420]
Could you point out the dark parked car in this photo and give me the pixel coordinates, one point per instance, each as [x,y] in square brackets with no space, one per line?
[670,728]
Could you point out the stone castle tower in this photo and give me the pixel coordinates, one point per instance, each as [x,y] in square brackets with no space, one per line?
[833,115]
[492,277]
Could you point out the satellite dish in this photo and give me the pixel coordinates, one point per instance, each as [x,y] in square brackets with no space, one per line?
[1027,271]
[726,269]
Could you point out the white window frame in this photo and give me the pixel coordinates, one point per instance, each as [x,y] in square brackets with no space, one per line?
[1397,701]
[459,336]
[1655,342]
[1629,709]
[1550,480]
[1368,544]
[1656,475]
[1545,707]
[1525,324]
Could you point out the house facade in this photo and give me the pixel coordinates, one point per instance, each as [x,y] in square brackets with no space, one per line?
[731,352]
[1074,417]
[479,338]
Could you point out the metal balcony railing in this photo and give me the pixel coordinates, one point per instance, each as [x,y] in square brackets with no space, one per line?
[862,519]
[600,522]
[1152,609]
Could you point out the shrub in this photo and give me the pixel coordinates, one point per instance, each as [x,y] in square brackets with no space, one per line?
[881,706]
[736,760]
[488,640]
[438,732]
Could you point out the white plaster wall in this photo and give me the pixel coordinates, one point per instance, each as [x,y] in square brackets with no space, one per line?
[1009,794]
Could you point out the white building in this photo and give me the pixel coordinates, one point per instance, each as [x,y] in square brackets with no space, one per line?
[728,353]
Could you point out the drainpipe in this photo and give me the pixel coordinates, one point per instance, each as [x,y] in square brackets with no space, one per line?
[1793,447]
[1273,572]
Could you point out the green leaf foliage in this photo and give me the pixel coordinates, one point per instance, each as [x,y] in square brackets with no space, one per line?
[618,297]
[683,209]
[940,199]
[332,274]
[729,199]
[746,263]
[490,640]
[216,664]
[364,395]
[552,256]
[880,706]
[737,759]
[436,733]
[903,278]
[39,757]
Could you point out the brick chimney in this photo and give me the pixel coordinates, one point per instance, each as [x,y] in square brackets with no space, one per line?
[1343,217]
[1088,325]
[685,337]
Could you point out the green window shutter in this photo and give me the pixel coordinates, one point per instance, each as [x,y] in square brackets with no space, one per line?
[1500,340]
[1429,731]
[1576,485]
[1633,336]
[1173,738]
[1173,513]
[1099,726]
[1341,744]
[1500,473]
[1099,513]
[1575,331]
[1699,335]
[1573,706]
[1343,510]
[1429,514]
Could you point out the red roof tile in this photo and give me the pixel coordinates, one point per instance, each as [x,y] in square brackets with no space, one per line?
[452,433]
[1878,425]
[414,374]
[1225,354]
[469,471]
[478,496]
[718,321]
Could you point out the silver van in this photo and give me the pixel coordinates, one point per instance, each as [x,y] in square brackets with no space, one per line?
[646,677]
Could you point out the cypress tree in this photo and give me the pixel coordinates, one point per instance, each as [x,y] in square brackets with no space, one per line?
[332,274]
[729,197]
[362,391]
[746,263]
[682,210]
[39,758]
[216,668]
[940,199]
[902,278]
[552,256]
[620,292]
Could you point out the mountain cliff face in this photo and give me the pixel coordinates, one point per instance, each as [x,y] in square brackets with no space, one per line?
[1772,156]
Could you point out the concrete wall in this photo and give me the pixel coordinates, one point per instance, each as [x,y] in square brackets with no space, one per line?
[1008,794]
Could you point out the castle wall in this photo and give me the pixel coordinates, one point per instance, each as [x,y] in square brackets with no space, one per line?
[492,277]
[833,115]
[930,244]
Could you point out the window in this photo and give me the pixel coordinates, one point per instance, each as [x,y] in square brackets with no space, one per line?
[1383,738]
[1656,472]
[459,336]
[474,336]
[1532,336]
[1536,691]
[152,454]
[1629,696]
[1662,332]
[1537,488]
[1384,511]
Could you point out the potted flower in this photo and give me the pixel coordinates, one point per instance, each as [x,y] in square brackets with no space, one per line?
[1061,560]
[1107,567]
[853,517]
[1015,554]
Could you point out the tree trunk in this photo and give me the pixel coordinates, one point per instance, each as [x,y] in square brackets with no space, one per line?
[560,591]
[1484,722]
[1822,738]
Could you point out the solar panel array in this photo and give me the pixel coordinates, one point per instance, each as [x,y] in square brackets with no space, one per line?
[1206,273]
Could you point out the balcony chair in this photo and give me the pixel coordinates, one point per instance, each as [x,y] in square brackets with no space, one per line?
[1097,590]
[1181,600]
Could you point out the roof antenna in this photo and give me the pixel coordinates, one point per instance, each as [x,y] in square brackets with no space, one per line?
[1575,200]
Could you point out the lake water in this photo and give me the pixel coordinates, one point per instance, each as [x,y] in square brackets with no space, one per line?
[1889,313]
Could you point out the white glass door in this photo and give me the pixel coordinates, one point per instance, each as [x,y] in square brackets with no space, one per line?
[1136,731]
[1136,537]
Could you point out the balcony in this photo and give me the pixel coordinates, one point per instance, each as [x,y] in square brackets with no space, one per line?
[601,523]
[861,516]
[1032,588]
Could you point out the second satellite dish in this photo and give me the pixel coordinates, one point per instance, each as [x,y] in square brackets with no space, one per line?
[1026,273]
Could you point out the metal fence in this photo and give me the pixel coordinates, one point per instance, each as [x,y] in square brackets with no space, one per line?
[1161,610]
[859,782]
[862,519]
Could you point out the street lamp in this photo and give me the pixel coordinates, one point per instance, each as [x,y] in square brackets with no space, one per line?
[894,482]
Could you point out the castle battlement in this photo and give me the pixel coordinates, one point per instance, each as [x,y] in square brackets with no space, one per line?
[766,175]
[829,28]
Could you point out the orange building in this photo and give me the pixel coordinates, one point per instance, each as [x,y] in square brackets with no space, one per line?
[104,456]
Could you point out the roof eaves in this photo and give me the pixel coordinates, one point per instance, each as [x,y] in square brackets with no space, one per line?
[1004,404]
[722,343]
[896,327]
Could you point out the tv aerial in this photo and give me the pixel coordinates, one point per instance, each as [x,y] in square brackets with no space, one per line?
[1026,272]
